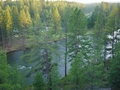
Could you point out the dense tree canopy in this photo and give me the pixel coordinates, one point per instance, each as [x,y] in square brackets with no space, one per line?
[85,31]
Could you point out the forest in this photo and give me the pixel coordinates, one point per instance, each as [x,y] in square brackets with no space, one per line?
[89,33]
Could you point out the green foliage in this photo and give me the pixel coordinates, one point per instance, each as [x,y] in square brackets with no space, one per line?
[76,28]
[10,79]
[54,79]
[77,72]
[105,6]
[93,17]
[24,19]
[39,22]
[114,74]
[4,72]
[5,87]
[56,16]
[95,74]
[8,19]
[56,26]
[16,79]
[77,23]
[38,82]
[111,24]
[15,17]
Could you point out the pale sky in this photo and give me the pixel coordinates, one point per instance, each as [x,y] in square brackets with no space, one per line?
[91,1]
[94,1]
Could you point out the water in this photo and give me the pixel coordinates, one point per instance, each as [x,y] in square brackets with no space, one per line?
[24,67]
[14,58]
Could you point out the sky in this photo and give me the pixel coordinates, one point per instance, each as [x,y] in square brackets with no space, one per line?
[92,1]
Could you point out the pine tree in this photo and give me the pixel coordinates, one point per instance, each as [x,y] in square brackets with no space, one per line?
[16,79]
[28,17]
[40,52]
[8,24]
[8,19]
[105,6]
[22,19]
[15,17]
[1,28]
[21,4]
[76,32]
[93,18]
[114,73]
[99,36]
[38,82]
[112,25]
[76,28]
[54,78]
[56,21]
[4,72]
[77,71]
[2,3]
[24,23]
[67,11]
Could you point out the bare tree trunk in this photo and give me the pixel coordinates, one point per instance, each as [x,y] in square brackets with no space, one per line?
[48,68]
[66,54]
[47,61]
[105,53]
[9,40]
[3,41]
[113,45]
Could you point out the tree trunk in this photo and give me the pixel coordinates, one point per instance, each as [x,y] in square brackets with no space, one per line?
[47,61]
[113,45]
[3,41]
[66,54]
[9,40]
[48,68]
[104,53]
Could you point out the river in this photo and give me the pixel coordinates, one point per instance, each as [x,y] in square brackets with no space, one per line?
[14,58]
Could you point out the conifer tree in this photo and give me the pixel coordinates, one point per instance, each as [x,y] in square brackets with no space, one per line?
[54,78]
[16,79]
[112,25]
[99,36]
[4,72]
[77,72]
[93,18]
[8,24]
[38,82]
[22,19]
[2,4]
[1,28]
[114,73]
[24,23]
[76,32]
[56,21]
[15,17]
[8,19]
[76,28]
[28,17]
